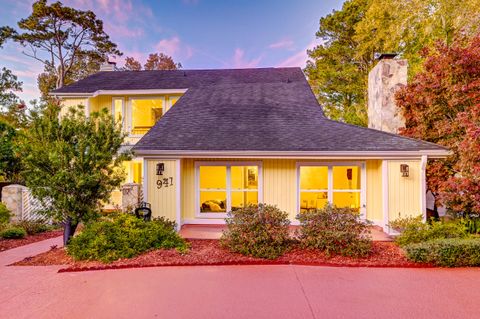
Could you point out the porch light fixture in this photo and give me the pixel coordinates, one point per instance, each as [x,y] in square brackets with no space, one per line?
[160,168]
[404,169]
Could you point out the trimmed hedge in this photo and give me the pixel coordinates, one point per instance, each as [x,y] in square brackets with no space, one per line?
[418,232]
[335,230]
[33,227]
[452,252]
[259,231]
[124,236]
[13,233]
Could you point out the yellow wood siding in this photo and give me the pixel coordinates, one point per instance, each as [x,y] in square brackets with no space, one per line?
[73,102]
[374,190]
[404,192]
[280,185]
[163,200]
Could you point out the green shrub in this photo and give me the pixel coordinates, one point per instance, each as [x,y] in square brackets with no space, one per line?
[259,231]
[13,233]
[335,230]
[421,232]
[123,236]
[402,223]
[4,214]
[33,226]
[452,252]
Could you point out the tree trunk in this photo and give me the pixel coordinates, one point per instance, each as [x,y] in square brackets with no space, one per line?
[68,230]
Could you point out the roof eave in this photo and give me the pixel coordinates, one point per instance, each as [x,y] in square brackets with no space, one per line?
[434,154]
[119,92]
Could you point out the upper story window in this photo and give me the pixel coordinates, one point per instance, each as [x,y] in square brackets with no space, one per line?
[145,113]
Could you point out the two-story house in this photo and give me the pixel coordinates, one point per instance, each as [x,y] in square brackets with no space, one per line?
[210,141]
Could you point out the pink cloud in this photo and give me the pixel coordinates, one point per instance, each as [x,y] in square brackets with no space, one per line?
[282,44]
[239,60]
[300,58]
[168,46]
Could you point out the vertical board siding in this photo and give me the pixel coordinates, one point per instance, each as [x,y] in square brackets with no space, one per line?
[163,200]
[72,102]
[374,190]
[280,185]
[404,193]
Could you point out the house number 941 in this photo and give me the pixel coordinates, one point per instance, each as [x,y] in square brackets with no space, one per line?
[165,182]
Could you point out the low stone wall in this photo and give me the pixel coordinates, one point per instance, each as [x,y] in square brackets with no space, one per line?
[12,198]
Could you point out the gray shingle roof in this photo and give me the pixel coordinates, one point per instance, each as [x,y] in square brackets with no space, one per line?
[271,109]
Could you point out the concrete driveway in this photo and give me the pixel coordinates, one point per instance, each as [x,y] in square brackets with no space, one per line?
[239,292]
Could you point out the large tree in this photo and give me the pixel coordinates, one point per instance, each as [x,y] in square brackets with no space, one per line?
[10,166]
[350,38]
[436,104]
[72,163]
[155,61]
[336,73]
[61,37]
[405,27]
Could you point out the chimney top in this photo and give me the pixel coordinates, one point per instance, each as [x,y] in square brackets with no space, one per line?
[385,56]
[108,66]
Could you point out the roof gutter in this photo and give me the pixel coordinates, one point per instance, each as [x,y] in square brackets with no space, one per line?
[120,92]
[298,155]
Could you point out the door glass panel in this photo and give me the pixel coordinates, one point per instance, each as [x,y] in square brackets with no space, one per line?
[243,199]
[347,199]
[313,177]
[145,113]
[213,202]
[312,200]
[213,177]
[346,177]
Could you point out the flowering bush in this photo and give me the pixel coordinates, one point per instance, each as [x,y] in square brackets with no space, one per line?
[259,231]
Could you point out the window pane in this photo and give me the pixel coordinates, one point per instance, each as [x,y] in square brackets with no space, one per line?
[137,168]
[213,202]
[118,110]
[244,177]
[173,100]
[346,177]
[213,177]
[313,177]
[347,199]
[145,113]
[243,199]
[311,200]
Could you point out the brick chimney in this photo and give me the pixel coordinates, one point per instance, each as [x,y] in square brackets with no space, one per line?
[384,80]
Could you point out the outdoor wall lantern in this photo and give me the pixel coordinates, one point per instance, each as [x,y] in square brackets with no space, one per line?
[160,168]
[404,169]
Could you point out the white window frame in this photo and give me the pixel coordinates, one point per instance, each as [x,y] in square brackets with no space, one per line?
[130,111]
[330,190]
[228,189]
[123,110]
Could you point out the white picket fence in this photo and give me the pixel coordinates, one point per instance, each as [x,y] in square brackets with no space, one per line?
[31,206]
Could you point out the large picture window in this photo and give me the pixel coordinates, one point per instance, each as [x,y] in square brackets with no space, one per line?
[223,187]
[339,184]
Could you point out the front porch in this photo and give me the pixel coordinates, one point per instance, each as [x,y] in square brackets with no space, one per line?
[193,231]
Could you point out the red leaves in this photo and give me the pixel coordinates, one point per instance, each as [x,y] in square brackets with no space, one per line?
[442,105]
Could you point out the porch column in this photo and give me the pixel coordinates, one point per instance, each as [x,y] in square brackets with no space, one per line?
[423,187]
[385,194]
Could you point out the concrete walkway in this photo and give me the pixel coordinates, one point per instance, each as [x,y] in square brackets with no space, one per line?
[237,292]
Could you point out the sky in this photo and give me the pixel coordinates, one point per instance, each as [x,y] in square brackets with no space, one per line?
[200,34]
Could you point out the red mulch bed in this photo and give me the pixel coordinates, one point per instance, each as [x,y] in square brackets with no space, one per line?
[208,252]
[6,244]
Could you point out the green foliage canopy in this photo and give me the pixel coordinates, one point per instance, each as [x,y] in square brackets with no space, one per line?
[72,161]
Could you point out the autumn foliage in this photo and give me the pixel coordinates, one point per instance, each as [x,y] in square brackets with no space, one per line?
[442,105]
